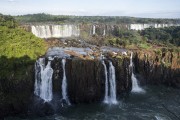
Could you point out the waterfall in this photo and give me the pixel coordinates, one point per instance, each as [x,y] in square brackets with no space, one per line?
[64,83]
[106,84]
[112,80]
[104,32]
[56,31]
[144,26]
[43,80]
[135,86]
[39,66]
[111,98]
[94,29]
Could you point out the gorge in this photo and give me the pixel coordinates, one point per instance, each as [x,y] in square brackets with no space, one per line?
[64,76]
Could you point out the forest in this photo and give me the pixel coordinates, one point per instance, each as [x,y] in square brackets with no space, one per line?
[165,35]
[42,17]
[16,42]
[18,48]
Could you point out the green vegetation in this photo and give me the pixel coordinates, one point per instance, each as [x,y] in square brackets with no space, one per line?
[16,42]
[146,39]
[127,39]
[8,21]
[18,48]
[18,51]
[89,19]
[169,35]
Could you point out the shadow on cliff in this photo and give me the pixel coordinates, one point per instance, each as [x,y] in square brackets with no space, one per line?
[16,84]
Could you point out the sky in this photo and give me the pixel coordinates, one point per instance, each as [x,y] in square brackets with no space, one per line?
[135,8]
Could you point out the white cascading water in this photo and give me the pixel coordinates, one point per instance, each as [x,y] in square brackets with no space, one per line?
[112,80]
[135,86]
[56,31]
[104,32]
[94,29]
[64,83]
[144,26]
[39,66]
[111,98]
[43,80]
[106,97]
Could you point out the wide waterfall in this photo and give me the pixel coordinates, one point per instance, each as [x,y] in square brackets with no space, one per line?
[55,31]
[144,26]
[43,80]
[111,98]
[135,87]
[64,83]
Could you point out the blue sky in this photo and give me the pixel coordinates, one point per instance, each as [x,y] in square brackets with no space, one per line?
[137,8]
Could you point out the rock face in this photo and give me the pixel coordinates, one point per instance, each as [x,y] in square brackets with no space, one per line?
[86,79]
[158,68]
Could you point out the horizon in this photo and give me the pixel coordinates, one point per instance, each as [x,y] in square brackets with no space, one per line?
[90,16]
[141,9]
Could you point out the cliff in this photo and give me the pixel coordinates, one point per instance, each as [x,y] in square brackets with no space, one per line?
[86,80]
[158,67]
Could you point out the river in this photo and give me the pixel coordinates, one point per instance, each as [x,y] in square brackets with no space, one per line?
[157,103]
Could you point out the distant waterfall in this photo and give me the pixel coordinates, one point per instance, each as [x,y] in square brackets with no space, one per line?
[104,32]
[135,86]
[64,83]
[43,80]
[144,26]
[111,99]
[94,29]
[55,31]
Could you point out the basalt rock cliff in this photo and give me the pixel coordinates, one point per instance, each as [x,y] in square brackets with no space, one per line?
[86,79]
[158,67]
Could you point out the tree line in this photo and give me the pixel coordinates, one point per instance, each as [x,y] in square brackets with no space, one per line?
[42,17]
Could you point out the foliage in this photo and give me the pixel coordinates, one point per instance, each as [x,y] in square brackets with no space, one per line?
[18,49]
[15,42]
[169,35]
[42,17]
[8,21]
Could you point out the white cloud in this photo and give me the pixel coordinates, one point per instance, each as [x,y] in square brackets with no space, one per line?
[11,1]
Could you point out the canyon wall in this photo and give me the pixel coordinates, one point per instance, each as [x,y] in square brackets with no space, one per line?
[158,67]
[86,80]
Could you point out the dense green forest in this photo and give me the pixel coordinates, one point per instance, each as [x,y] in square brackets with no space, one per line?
[18,48]
[160,37]
[16,42]
[164,35]
[42,17]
